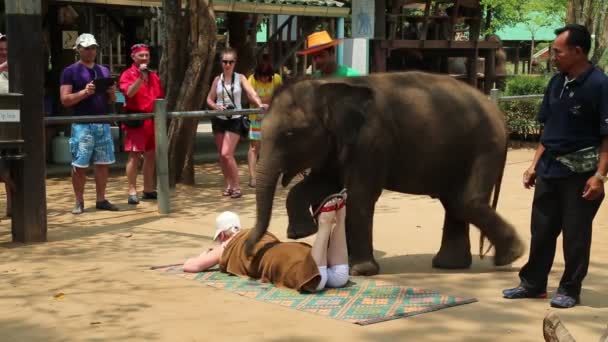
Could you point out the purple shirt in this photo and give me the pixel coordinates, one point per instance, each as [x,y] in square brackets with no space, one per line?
[78,76]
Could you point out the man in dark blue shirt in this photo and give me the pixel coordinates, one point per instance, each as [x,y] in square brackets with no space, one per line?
[569,170]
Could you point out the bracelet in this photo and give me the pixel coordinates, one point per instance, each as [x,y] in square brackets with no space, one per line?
[600,177]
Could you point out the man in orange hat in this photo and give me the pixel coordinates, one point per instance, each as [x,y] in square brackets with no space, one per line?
[321,47]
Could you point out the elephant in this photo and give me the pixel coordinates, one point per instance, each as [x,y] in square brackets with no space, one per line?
[409,132]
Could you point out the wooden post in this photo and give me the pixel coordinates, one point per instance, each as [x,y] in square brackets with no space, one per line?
[495,95]
[379,57]
[380,19]
[425,25]
[517,59]
[26,76]
[162,159]
[289,43]
[490,71]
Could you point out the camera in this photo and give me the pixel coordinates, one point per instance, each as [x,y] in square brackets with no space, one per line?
[230,107]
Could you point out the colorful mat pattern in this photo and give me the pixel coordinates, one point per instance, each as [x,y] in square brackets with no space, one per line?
[364,301]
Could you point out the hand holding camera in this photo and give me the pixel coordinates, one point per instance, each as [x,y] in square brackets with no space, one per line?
[143,69]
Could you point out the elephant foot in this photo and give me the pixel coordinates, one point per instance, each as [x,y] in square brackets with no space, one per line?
[365,268]
[451,261]
[300,231]
[508,251]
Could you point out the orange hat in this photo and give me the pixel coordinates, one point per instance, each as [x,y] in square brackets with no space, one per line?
[319,41]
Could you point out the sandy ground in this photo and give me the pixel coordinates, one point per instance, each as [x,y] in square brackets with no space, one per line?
[100,260]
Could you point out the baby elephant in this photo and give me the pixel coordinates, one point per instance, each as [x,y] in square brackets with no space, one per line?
[407,132]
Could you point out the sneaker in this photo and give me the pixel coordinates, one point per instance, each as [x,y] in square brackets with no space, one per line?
[150,195]
[133,200]
[106,205]
[522,292]
[78,208]
[564,301]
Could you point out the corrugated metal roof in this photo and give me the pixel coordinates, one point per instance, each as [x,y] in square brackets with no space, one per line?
[298,2]
[322,8]
[521,31]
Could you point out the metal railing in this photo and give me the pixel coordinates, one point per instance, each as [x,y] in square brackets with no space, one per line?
[495,96]
[160,117]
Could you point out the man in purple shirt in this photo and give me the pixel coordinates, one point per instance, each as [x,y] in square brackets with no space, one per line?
[89,141]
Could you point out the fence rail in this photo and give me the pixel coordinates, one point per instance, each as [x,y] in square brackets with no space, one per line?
[160,117]
[495,96]
[201,114]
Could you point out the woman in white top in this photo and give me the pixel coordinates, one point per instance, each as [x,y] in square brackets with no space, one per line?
[225,94]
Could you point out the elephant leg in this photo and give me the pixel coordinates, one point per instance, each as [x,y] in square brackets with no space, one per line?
[475,207]
[507,244]
[455,250]
[311,190]
[359,227]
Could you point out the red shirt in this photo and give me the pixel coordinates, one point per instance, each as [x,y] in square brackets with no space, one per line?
[143,100]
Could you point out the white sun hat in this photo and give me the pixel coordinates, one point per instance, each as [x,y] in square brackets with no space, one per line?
[226,221]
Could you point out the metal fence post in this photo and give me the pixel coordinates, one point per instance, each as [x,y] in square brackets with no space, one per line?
[162,159]
[495,95]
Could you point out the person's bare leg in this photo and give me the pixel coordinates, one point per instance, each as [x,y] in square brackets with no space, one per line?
[337,253]
[252,159]
[230,141]
[79,177]
[101,180]
[132,168]
[326,222]
[148,170]
[219,143]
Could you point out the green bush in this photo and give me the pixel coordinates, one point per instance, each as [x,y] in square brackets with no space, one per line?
[521,115]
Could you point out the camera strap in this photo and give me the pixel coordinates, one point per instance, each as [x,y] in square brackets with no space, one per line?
[231,92]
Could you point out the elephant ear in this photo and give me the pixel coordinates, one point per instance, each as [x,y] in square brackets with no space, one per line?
[344,110]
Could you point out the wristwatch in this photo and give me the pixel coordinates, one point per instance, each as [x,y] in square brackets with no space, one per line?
[600,177]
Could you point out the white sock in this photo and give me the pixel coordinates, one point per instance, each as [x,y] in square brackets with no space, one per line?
[323,272]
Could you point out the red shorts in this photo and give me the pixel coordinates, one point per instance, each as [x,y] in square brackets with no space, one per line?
[139,139]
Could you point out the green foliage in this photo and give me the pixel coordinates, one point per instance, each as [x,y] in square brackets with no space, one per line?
[526,85]
[533,13]
[521,115]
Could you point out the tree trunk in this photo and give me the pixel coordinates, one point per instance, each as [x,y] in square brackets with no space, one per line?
[186,69]
[601,33]
[242,39]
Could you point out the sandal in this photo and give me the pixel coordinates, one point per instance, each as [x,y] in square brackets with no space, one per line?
[321,208]
[227,192]
[236,193]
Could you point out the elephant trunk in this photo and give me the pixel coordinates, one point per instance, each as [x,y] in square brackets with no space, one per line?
[267,175]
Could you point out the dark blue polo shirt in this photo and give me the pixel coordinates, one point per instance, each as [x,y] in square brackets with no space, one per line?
[575,116]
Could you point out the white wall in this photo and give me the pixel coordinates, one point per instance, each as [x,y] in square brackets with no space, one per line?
[356,54]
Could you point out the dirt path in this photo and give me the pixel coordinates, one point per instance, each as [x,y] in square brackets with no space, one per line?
[99,262]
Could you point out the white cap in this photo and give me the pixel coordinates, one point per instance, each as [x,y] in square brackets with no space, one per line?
[85,40]
[226,221]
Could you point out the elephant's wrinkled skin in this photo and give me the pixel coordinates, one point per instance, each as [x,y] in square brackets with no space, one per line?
[409,132]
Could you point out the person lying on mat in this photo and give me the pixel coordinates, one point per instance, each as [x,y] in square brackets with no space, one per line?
[294,265]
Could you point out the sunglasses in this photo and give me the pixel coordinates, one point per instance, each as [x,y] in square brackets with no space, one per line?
[228,61]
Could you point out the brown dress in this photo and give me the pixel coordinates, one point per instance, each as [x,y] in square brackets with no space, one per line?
[285,264]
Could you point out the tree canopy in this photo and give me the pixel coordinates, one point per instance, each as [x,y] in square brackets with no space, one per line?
[535,13]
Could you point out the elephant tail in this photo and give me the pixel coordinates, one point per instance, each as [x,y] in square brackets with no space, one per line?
[496,194]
